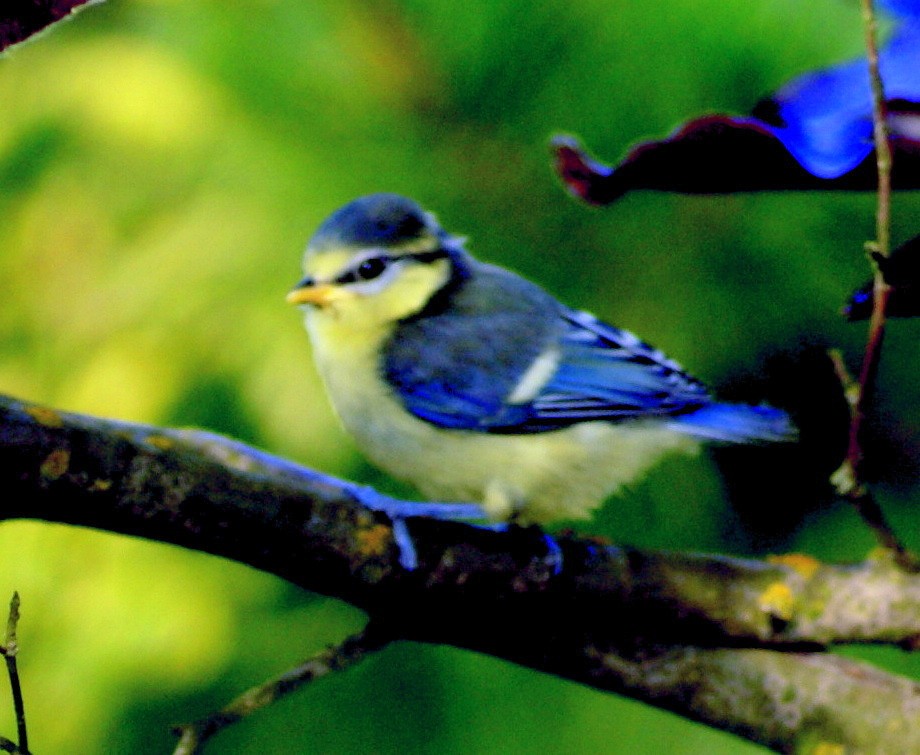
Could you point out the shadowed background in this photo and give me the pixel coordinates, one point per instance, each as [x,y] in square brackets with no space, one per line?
[161,167]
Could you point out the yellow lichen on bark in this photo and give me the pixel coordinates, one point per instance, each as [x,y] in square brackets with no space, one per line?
[802,563]
[55,464]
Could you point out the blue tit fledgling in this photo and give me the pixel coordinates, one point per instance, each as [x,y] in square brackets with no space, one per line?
[476,385]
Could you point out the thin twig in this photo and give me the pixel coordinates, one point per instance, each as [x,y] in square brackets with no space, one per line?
[848,479]
[880,132]
[861,496]
[9,652]
[879,249]
[193,736]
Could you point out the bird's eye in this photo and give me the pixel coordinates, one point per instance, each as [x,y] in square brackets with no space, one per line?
[366,270]
[371,268]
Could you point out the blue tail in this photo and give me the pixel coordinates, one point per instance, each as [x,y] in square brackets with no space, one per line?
[737,423]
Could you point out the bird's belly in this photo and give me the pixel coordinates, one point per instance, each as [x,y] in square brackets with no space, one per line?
[539,477]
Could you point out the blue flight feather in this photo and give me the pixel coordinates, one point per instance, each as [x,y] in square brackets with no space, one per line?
[608,373]
[737,423]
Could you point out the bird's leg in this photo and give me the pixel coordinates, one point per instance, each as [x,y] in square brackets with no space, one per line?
[502,502]
[497,500]
[553,556]
[399,511]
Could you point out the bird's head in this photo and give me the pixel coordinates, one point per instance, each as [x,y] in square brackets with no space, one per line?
[379,259]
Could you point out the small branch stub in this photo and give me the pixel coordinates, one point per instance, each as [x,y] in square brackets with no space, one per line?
[9,651]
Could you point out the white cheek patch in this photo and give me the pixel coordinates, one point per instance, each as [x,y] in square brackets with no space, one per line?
[401,289]
[382,281]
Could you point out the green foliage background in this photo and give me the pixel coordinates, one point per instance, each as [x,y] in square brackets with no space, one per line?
[161,166]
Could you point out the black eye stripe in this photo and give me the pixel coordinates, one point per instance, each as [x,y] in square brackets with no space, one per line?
[426,257]
[373,267]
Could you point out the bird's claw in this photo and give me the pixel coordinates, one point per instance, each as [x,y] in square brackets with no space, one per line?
[399,511]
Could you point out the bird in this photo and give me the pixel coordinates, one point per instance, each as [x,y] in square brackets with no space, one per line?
[475,384]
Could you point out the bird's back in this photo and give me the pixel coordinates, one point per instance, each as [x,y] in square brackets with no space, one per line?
[473,344]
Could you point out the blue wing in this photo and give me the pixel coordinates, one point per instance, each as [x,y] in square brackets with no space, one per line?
[601,373]
[469,380]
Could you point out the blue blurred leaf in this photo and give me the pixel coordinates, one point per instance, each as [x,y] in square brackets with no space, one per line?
[815,133]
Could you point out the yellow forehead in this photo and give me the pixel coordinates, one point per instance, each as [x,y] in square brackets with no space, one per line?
[327,265]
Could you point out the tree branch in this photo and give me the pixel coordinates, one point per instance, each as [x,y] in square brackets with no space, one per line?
[733,643]
[193,736]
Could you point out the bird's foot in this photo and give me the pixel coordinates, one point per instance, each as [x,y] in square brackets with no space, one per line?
[553,556]
[399,511]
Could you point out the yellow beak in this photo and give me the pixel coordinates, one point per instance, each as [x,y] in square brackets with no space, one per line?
[317,294]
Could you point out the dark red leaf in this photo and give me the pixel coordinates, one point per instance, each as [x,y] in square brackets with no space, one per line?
[902,272]
[20,19]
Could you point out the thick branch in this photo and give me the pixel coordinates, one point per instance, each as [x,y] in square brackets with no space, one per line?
[803,701]
[730,642]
